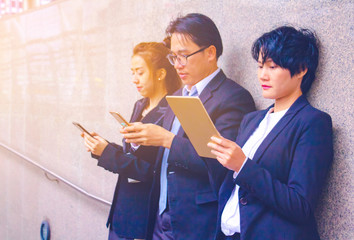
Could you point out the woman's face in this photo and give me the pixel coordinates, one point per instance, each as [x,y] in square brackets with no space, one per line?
[142,76]
[277,82]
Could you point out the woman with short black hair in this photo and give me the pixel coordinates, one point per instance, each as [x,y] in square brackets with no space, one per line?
[282,154]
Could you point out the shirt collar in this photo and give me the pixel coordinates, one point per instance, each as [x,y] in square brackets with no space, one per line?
[280,113]
[201,84]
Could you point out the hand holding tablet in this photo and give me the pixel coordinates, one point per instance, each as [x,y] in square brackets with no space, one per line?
[195,121]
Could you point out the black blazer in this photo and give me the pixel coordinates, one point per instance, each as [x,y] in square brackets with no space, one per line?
[128,216]
[192,199]
[279,187]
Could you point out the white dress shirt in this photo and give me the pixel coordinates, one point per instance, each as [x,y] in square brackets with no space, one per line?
[230,217]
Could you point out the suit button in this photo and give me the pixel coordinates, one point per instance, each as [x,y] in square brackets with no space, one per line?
[243,201]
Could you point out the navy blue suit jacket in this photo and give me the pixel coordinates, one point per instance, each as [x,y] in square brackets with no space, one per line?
[192,200]
[280,186]
[128,216]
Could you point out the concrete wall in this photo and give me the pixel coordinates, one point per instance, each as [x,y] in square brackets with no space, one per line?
[70,61]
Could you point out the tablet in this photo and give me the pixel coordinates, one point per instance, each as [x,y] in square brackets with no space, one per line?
[195,121]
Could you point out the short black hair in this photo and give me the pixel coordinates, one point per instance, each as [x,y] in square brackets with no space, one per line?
[295,50]
[200,28]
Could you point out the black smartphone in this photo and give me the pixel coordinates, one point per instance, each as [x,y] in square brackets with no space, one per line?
[120,119]
[81,128]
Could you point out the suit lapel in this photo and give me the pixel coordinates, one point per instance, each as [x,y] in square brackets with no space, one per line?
[169,116]
[155,115]
[206,94]
[284,121]
[167,123]
[214,84]
[251,127]
[139,107]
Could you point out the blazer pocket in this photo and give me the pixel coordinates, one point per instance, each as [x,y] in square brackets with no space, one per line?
[205,197]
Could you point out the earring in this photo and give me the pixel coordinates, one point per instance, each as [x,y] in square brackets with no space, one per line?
[159,79]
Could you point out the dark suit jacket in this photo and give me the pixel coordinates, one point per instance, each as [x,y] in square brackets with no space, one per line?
[128,216]
[280,186]
[192,200]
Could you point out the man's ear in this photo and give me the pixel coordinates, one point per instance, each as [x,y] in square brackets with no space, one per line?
[211,53]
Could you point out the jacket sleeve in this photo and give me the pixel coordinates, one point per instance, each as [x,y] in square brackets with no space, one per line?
[227,118]
[295,200]
[115,160]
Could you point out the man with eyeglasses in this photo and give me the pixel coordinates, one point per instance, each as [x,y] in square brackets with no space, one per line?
[184,196]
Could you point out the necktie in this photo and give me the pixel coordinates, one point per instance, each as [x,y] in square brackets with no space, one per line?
[164,165]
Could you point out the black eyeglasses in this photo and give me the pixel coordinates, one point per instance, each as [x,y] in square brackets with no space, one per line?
[182,59]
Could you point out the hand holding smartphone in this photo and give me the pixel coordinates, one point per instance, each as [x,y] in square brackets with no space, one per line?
[120,119]
[82,128]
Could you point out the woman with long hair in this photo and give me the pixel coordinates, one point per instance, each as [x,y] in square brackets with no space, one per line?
[154,78]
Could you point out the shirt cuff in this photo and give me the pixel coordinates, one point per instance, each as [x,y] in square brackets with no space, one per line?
[236,173]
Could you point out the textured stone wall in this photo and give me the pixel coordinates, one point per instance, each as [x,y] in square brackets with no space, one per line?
[70,61]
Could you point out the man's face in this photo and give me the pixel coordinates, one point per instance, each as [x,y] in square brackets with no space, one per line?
[197,66]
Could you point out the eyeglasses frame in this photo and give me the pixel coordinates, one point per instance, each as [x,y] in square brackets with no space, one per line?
[185,56]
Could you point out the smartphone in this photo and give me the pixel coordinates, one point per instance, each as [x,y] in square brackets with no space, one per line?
[120,119]
[81,128]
